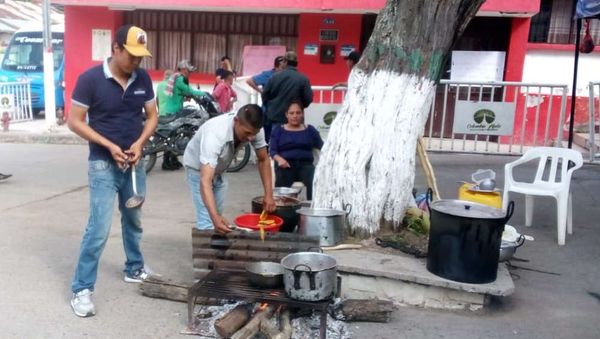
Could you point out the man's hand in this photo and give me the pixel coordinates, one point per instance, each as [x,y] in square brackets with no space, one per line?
[269,203]
[135,152]
[221,224]
[120,157]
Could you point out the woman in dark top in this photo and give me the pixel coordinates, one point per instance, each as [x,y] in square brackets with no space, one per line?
[291,146]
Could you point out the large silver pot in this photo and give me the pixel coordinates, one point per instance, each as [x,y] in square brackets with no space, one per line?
[327,224]
[309,276]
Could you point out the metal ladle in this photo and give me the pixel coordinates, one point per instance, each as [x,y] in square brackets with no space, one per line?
[136,200]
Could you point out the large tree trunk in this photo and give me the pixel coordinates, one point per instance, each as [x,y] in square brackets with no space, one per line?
[369,157]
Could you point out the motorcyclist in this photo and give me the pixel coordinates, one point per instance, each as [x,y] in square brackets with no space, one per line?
[170,101]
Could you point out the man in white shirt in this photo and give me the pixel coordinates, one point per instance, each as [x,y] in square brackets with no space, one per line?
[209,154]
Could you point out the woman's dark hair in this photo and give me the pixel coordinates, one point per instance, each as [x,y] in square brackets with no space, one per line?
[225,58]
[251,115]
[296,102]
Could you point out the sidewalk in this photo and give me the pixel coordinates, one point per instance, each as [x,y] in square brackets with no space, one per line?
[36,132]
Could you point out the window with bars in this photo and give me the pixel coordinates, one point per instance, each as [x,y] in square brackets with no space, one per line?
[204,37]
[555,23]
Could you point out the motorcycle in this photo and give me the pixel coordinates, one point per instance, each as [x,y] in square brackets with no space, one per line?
[174,132]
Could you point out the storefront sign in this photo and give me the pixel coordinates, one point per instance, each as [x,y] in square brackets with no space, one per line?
[321,116]
[481,117]
[311,49]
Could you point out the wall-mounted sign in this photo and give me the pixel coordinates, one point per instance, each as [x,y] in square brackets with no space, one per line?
[328,34]
[328,21]
[346,49]
[483,117]
[101,44]
[311,49]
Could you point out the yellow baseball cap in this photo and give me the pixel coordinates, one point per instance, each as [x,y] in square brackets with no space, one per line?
[133,39]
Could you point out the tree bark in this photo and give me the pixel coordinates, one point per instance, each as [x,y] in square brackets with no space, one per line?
[369,157]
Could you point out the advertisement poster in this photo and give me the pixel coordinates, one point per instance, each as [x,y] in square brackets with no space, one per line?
[484,117]
[311,49]
[321,116]
[7,105]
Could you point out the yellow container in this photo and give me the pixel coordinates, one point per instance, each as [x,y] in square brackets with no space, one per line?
[493,199]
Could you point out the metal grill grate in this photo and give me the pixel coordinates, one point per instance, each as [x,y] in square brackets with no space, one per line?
[229,284]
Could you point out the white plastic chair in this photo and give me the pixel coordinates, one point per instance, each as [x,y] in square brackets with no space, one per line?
[546,186]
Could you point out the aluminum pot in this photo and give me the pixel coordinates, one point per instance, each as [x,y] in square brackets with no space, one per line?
[327,224]
[285,208]
[309,276]
[508,248]
[265,274]
[291,192]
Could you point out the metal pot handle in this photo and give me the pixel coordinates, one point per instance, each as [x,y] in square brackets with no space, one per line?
[347,209]
[520,241]
[319,249]
[509,211]
[298,274]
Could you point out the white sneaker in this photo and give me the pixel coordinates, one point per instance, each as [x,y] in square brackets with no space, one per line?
[137,277]
[82,303]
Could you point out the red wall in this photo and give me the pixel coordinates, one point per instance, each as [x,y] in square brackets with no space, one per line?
[79,22]
[349,26]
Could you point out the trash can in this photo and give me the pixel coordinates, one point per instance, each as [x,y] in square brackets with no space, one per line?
[464,240]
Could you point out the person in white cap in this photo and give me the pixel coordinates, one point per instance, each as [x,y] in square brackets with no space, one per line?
[170,101]
[107,109]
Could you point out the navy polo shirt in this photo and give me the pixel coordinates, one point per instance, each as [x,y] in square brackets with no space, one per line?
[114,113]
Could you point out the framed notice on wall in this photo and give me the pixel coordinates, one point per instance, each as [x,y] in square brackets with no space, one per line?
[101,44]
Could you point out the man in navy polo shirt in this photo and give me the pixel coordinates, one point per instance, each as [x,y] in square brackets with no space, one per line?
[113,95]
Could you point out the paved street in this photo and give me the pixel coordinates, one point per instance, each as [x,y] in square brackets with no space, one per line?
[43,211]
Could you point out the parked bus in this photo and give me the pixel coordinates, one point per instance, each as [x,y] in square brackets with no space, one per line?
[23,60]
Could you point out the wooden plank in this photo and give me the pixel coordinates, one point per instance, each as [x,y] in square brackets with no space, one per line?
[238,255]
[278,236]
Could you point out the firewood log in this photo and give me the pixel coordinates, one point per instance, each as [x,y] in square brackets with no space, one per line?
[227,325]
[253,326]
[372,310]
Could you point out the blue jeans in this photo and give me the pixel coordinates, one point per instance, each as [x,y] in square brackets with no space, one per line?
[203,221]
[106,181]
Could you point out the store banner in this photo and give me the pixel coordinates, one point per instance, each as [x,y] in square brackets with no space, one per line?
[484,117]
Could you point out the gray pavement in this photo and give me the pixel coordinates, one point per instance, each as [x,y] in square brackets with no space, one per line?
[43,211]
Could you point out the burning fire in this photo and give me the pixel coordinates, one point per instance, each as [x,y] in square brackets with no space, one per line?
[263,306]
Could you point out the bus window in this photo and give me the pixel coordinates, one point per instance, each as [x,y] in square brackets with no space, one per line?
[25,52]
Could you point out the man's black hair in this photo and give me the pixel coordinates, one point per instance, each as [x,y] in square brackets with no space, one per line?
[251,115]
[278,60]
[227,74]
[225,58]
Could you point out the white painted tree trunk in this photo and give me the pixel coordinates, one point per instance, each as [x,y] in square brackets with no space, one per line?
[369,157]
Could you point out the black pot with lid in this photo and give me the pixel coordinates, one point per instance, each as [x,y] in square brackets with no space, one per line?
[464,240]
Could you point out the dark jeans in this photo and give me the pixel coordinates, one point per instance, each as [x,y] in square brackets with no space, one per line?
[267,126]
[300,170]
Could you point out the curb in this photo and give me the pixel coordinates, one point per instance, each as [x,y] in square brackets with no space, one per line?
[42,138]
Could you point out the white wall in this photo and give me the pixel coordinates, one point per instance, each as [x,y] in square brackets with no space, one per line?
[556,67]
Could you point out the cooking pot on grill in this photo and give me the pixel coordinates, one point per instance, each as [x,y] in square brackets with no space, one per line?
[309,276]
[285,208]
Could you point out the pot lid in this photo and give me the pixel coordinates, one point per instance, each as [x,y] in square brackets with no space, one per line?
[467,209]
[320,212]
[280,201]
